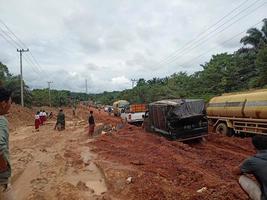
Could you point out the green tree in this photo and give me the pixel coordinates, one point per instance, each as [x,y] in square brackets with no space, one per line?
[261,63]
[4,73]
[255,37]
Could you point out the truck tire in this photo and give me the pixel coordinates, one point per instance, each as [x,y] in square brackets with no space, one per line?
[222,128]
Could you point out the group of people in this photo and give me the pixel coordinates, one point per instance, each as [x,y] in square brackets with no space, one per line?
[255,165]
[40,118]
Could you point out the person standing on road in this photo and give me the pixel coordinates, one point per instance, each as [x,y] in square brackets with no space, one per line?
[74,111]
[5,167]
[37,121]
[109,110]
[256,166]
[91,122]
[44,116]
[60,124]
[41,117]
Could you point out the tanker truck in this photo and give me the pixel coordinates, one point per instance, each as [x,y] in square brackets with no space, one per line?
[237,113]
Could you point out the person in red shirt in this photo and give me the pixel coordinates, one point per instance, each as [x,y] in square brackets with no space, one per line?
[37,121]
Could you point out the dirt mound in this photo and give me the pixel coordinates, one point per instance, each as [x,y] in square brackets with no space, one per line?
[162,169]
[20,116]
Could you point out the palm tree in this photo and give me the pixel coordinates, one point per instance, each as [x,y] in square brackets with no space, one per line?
[255,37]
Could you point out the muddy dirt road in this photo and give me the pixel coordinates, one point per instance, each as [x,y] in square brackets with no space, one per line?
[123,164]
[55,165]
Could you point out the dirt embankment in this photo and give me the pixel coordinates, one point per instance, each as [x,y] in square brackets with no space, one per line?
[160,169]
[19,116]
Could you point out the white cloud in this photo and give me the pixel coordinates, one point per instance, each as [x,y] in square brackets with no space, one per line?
[109,43]
[121,80]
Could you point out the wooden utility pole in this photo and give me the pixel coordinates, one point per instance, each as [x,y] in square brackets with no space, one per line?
[21,77]
[49,82]
[86,88]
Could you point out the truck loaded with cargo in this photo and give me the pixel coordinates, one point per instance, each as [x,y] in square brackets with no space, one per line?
[134,114]
[119,106]
[181,119]
[239,113]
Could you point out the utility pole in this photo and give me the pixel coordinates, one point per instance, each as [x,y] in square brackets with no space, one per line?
[49,82]
[133,81]
[21,77]
[86,86]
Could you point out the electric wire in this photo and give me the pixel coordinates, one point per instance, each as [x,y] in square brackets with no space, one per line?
[21,44]
[224,42]
[196,44]
[210,27]
[18,43]
[216,33]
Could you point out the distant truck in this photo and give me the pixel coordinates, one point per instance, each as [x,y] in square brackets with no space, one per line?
[134,114]
[181,119]
[120,105]
[235,113]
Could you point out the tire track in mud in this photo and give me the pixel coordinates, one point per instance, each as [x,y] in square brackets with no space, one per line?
[55,165]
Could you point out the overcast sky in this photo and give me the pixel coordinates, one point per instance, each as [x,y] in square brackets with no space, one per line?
[110,42]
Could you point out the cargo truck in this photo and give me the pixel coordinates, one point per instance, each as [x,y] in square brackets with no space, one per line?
[237,113]
[118,106]
[179,119]
[134,114]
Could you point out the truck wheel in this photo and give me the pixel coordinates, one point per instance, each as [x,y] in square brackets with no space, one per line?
[222,128]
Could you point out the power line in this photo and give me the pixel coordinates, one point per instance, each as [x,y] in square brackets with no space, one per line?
[210,27]
[216,33]
[191,43]
[8,41]
[190,61]
[11,39]
[18,43]
[23,45]
[13,42]
[25,57]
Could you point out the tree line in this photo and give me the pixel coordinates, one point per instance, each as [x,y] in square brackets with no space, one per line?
[38,97]
[242,70]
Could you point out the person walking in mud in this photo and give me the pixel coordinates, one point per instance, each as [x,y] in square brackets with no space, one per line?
[257,166]
[60,124]
[91,122]
[109,111]
[37,121]
[74,111]
[5,168]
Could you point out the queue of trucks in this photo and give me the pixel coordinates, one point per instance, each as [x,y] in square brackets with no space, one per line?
[186,119]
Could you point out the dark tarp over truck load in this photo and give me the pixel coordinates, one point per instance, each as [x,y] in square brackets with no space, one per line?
[181,119]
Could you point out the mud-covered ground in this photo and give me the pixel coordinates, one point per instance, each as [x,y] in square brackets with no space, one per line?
[120,164]
[53,165]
